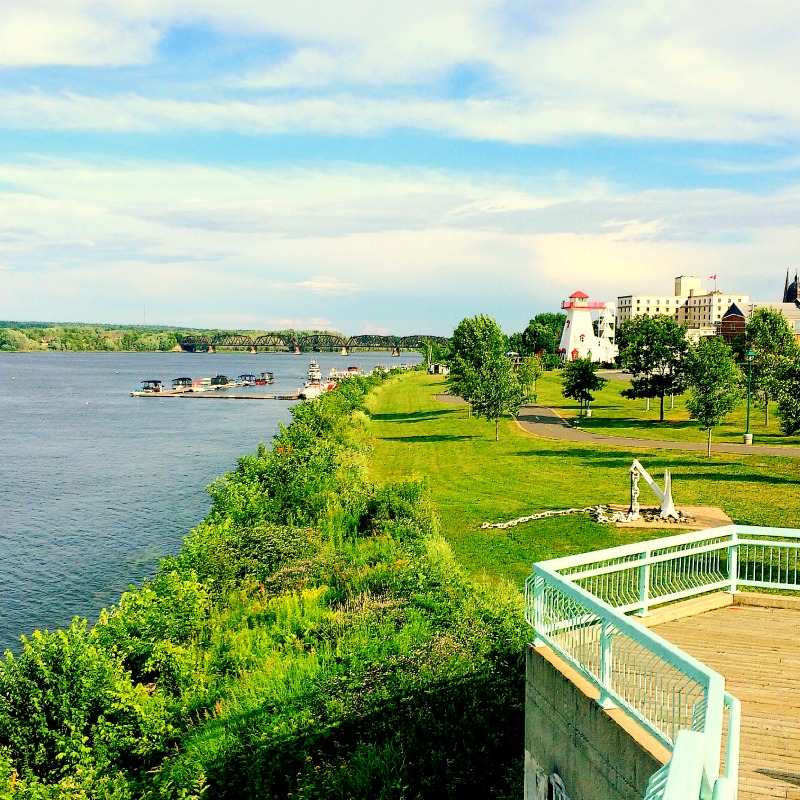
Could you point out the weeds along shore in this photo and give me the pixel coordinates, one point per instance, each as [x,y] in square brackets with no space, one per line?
[314,638]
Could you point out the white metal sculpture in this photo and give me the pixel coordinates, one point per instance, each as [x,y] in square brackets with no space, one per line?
[602,513]
[665,496]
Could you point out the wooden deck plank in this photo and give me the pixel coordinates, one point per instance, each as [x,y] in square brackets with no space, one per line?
[757,650]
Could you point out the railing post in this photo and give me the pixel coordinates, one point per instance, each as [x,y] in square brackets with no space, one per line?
[733,563]
[538,617]
[605,700]
[644,584]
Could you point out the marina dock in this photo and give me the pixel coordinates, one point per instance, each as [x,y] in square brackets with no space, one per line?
[220,396]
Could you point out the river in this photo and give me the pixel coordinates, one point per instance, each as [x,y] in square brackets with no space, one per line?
[97,485]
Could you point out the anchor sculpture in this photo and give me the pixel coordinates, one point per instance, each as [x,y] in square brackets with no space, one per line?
[665,497]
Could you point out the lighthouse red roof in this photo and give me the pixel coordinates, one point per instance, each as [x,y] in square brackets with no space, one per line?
[579,296]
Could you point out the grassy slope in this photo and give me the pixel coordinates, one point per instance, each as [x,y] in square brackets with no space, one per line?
[615,415]
[473,479]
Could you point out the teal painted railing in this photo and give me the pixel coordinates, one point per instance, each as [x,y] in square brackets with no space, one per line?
[578,606]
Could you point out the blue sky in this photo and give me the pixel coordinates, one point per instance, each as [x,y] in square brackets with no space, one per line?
[374,167]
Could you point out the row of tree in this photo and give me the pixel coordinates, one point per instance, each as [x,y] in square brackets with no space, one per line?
[662,362]
[654,350]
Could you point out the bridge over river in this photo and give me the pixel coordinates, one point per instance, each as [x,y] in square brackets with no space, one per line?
[319,342]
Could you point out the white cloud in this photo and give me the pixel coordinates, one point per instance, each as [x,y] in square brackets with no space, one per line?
[720,71]
[327,285]
[361,247]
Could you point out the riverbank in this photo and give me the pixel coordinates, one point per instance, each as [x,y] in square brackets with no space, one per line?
[314,637]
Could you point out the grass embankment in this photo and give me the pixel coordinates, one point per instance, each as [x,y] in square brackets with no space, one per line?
[473,479]
[314,638]
[615,415]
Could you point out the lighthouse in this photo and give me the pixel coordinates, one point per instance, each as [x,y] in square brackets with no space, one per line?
[578,340]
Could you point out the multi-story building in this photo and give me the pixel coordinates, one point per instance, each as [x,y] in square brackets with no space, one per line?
[692,305]
[735,319]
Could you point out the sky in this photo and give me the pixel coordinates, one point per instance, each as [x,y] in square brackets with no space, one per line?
[374,167]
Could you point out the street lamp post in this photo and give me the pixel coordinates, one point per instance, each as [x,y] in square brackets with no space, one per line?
[748,437]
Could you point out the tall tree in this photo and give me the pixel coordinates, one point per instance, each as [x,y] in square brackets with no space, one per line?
[715,383]
[769,336]
[580,380]
[788,395]
[529,371]
[481,372]
[542,335]
[653,349]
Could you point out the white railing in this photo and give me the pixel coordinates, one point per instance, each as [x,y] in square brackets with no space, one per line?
[577,605]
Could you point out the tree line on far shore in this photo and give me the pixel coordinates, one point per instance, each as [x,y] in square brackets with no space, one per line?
[43,336]
[496,374]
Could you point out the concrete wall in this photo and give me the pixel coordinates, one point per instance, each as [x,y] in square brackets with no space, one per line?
[598,754]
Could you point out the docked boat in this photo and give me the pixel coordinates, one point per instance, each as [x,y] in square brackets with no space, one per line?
[265,378]
[222,382]
[247,379]
[314,372]
[180,385]
[314,386]
[148,388]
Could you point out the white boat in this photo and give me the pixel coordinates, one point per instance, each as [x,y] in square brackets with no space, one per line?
[314,372]
[314,386]
[148,387]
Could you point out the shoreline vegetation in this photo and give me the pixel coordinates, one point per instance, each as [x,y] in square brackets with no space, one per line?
[314,638]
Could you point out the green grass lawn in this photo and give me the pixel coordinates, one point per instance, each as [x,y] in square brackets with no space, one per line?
[615,415]
[473,479]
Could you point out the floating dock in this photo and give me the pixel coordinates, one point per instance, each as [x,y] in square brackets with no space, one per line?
[216,396]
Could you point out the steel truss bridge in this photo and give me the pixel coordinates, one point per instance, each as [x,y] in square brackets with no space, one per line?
[320,342]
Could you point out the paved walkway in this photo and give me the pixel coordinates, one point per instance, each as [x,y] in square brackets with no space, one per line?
[543,421]
[546,422]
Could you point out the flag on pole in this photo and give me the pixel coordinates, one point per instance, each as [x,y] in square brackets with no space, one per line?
[712,277]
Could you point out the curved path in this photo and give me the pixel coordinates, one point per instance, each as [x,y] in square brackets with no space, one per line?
[543,421]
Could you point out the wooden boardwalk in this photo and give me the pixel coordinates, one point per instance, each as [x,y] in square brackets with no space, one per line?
[757,650]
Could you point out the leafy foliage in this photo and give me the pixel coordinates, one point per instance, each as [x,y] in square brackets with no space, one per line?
[715,383]
[772,342]
[654,350]
[787,375]
[541,336]
[580,380]
[481,372]
[530,370]
[314,638]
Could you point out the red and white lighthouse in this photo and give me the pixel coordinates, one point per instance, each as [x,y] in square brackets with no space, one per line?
[578,339]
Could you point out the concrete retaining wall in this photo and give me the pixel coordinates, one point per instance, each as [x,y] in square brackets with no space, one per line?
[597,754]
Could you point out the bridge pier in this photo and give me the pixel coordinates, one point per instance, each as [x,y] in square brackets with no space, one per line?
[211,349]
[344,352]
[396,352]
[253,350]
[297,349]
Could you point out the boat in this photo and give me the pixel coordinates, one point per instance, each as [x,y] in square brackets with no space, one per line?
[314,386]
[264,378]
[246,379]
[314,372]
[336,374]
[148,387]
[222,382]
[180,385]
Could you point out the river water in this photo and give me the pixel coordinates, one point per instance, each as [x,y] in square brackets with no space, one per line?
[96,486]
